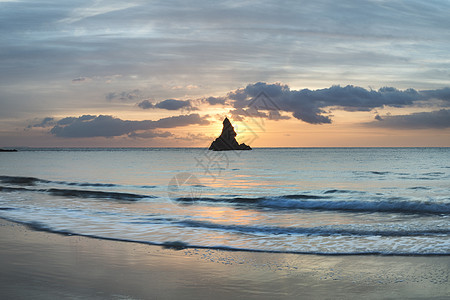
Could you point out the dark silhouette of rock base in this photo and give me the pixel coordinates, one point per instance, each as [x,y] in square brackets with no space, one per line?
[227,139]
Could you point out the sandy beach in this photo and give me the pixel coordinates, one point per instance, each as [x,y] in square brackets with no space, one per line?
[42,265]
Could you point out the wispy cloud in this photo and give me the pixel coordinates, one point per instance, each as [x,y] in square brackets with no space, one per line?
[169,104]
[215,100]
[80,79]
[46,122]
[95,9]
[439,119]
[318,41]
[132,95]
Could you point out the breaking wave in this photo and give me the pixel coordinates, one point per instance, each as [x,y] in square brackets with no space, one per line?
[180,245]
[97,194]
[319,202]
[80,193]
[322,230]
[19,180]
[32,181]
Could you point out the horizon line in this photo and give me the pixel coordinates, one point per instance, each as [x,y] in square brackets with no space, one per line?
[187,147]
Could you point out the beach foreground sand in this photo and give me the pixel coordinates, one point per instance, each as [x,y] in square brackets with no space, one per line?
[42,265]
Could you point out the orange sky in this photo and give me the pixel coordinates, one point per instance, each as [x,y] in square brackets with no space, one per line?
[345,131]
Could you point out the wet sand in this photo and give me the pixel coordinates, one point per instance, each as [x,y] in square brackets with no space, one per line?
[42,265]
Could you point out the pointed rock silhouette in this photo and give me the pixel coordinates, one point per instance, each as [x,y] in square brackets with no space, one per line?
[227,139]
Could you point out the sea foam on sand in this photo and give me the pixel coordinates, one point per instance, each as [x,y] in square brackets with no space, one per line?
[42,265]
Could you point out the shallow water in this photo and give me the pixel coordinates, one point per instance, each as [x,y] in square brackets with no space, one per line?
[302,200]
[40,265]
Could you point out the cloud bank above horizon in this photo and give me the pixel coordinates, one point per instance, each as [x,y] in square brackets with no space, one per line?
[269,101]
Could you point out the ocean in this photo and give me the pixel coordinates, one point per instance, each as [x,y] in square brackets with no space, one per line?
[333,201]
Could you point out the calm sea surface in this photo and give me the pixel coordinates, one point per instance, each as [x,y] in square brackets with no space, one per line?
[302,200]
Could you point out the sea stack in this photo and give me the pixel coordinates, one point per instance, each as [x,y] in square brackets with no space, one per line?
[227,139]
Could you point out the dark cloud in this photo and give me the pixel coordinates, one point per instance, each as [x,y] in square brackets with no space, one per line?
[125,95]
[302,104]
[353,98]
[215,100]
[109,126]
[169,104]
[69,120]
[146,104]
[309,105]
[173,104]
[260,88]
[250,112]
[46,122]
[441,94]
[439,119]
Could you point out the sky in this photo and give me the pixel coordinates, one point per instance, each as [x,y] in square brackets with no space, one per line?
[322,73]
